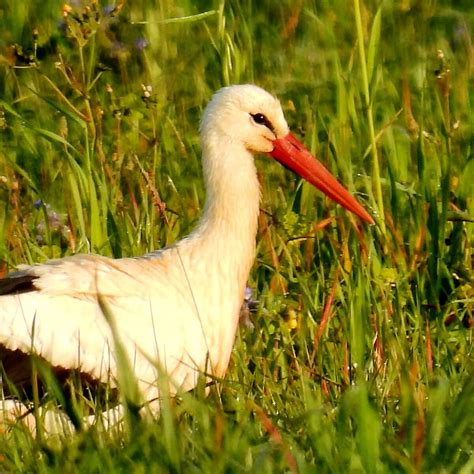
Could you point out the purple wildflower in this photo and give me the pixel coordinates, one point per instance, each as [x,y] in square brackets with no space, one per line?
[141,43]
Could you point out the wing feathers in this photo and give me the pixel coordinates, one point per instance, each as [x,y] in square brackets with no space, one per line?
[53,311]
[84,276]
[17,284]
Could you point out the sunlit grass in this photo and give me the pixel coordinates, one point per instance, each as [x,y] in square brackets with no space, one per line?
[360,358]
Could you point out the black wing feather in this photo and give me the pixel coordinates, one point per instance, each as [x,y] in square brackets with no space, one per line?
[17,284]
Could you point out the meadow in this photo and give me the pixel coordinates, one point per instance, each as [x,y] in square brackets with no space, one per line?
[356,354]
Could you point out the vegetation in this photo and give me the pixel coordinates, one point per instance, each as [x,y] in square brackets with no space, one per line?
[360,356]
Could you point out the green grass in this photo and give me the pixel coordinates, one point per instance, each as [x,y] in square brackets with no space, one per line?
[360,359]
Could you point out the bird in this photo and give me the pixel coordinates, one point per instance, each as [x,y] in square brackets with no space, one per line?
[175,310]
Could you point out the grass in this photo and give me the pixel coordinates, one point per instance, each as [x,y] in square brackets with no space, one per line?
[360,358]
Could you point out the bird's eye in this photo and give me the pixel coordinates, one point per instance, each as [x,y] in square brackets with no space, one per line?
[260,118]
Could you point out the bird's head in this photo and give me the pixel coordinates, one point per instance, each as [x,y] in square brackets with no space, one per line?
[253,117]
[248,114]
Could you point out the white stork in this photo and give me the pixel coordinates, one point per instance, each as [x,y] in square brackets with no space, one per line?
[177,308]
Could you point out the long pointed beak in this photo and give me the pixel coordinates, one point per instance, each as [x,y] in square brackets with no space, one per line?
[293,154]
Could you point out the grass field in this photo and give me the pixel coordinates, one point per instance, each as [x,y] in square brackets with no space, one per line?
[360,358]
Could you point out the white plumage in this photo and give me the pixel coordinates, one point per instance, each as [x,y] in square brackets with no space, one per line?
[179,306]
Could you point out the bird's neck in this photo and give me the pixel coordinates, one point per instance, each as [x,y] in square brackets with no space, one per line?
[228,226]
[221,249]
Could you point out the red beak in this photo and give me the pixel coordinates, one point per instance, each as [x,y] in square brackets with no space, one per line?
[293,154]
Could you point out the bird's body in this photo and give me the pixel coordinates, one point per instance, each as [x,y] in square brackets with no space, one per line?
[178,308]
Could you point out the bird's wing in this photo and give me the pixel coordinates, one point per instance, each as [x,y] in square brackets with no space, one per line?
[59,316]
[80,276]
